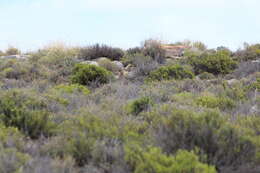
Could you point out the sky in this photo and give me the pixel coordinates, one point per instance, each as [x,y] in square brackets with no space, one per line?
[32,24]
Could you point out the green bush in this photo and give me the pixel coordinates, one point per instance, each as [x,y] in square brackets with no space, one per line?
[15,69]
[72,88]
[97,51]
[215,63]
[139,105]
[199,45]
[54,62]
[135,50]
[255,85]
[12,161]
[153,48]
[206,75]
[12,51]
[250,52]
[12,134]
[153,160]
[210,101]
[26,114]
[79,138]
[177,72]
[219,142]
[143,64]
[86,74]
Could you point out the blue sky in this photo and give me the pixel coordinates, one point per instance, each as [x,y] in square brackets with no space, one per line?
[31,24]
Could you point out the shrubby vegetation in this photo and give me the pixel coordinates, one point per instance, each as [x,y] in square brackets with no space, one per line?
[177,72]
[216,63]
[26,113]
[108,65]
[250,52]
[12,51]
[97,51]
[85,74]
[154,49]
[195,114]
[153,160]
[139,105]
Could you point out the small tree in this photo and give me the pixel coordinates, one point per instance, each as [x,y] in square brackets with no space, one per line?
[12,51]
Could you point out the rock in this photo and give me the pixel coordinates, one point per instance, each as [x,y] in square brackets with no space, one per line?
[254,109]
[119,65]
[129,67]
[90,63]
[256,61]
[232,81]
[14,57]
[197,77]
[102,59]
[130,74]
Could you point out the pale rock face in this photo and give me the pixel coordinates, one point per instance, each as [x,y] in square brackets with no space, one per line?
[118,64]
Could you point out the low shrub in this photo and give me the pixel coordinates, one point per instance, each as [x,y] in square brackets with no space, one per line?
[135,50]
[11,137]
[210,101]
[246,68]
[139,105]
[177,72]
[54,62]
[206,75]
[26,114]
[219,142]
[12,51]
[153,48]
[79,137]
[250,52]
[97,51]
[215,63]
[143,65]
[199,45]
[16,69]
[72,88]
[153,160]
[50,165]
[85,74]
[12,160]
[254,85]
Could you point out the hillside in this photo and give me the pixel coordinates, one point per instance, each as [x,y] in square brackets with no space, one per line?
[179,108]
